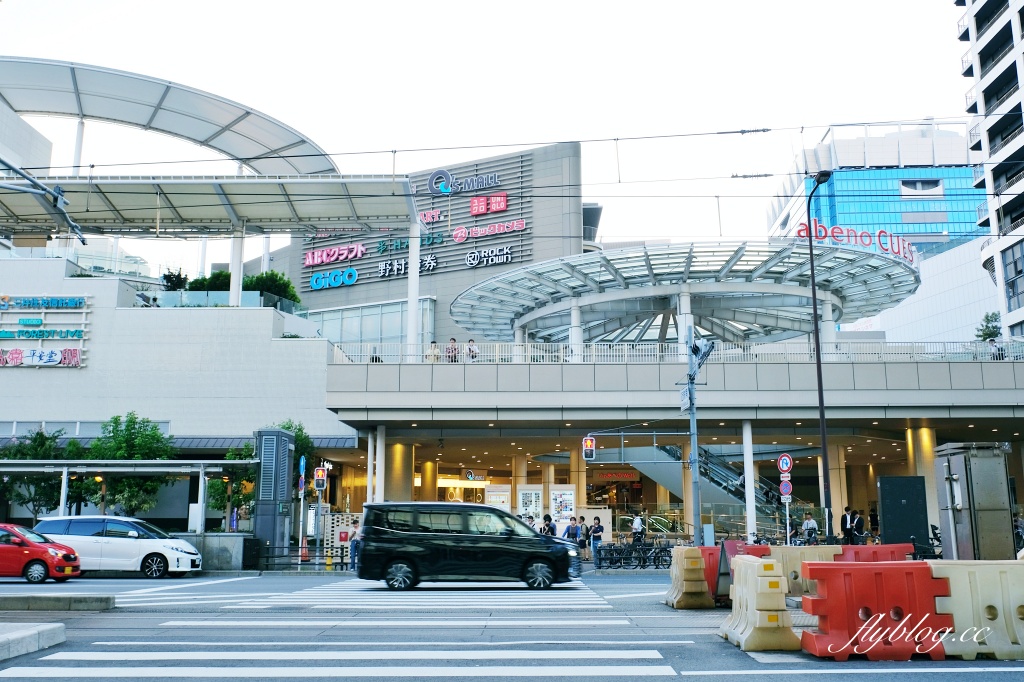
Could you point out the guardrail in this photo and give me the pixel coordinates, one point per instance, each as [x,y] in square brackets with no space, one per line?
[660,353]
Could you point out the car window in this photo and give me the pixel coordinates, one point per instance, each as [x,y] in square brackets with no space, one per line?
[119,529]
[152,530]
[395,519]
[5,537]
[52,526]
[34,536]
[485,523]
[439,522]
[86,527]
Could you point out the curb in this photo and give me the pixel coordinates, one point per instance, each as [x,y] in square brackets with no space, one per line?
[17,639]
[67,602]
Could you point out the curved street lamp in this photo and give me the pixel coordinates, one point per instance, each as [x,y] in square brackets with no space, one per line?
[819,179]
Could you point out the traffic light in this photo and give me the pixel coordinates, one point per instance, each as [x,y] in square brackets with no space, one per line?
[320,478]
[589,448]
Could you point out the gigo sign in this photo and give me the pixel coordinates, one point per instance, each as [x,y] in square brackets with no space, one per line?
[334,278]
[881,241]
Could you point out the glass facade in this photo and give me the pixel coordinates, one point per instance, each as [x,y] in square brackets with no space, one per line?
[1013,275]
[933,207]
[382,323]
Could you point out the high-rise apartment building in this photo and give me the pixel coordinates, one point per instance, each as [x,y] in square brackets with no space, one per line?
[995,62]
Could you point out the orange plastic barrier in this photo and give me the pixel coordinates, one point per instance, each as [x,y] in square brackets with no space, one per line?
[710,556]
[897,552]
[760,551]
[884,611]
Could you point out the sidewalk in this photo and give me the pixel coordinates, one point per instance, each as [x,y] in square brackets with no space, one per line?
[17,639]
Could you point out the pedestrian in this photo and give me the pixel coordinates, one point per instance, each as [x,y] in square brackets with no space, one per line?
[451,351]
[794,529]
[846,527]
[638,527]
[433,353]
[472,351]
[997,351]
[549,527]
[584,540]
[810,528]
[873,522]
[857,531]
[531,523]
[572,531]
[355,544]
[596,531]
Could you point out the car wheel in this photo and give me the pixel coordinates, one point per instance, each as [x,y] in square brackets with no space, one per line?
[154,566]
[36,572]
[400,575]
[539,575]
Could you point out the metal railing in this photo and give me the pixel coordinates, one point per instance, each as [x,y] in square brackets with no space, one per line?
[991,20]
[1008,182]
[982,211]
[671,353]
[1004,141]
[990,107]
[991,64]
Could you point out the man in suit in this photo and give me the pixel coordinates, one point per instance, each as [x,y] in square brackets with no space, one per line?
[847,527]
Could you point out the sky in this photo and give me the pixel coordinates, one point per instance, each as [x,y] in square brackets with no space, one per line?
[650,89]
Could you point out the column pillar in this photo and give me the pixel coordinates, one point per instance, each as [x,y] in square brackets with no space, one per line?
[371,454]
[828,325]
[378,486]
[859,489]
[840,488]
[235,267]
[265,261]
[578,475]
[749,480]
[202,256]
[575,332]
[201,521]
[872,483]
[547,480]
[519,464]
[428,481]
[398,484]
[921,462]
[519,348]
[413,342]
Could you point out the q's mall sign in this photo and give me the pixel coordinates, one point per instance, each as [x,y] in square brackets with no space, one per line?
[881,241]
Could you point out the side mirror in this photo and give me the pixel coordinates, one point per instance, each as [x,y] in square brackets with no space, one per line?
[17,541]
[133,534]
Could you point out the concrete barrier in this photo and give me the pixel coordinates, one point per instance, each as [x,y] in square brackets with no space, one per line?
[689,590]
[759,620]
[57,602]
[791,559]
[18,639]
[986,600]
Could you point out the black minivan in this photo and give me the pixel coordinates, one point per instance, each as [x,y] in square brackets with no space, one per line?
[408,542]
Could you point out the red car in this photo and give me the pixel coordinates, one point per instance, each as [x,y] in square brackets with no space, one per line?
[26,553]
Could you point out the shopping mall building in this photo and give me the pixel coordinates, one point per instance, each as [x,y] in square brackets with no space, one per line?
[557,335]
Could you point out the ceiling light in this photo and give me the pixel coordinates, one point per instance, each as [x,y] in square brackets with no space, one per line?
[644,424]
[775,442]
[715,438]
[994,430]
[518,448]
[799,438]
[568,424]
[799,423]
[883,458]
[513,443]
[626,440]
[875,423]
[970,426]
[486,453]
[463,449]
[413,425]
[491,424]
[874,454]
[721,423]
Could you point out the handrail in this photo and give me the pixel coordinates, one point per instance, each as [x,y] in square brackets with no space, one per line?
[871,352]
[988,24]
[1002,98]
[1004,141]
[991,64]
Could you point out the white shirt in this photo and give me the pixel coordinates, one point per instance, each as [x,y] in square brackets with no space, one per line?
[638,524]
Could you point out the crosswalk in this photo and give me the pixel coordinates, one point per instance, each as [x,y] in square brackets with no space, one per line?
[355,594]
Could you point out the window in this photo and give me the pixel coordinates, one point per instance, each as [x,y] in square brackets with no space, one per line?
[395,519]
[52,527]
[1017,329]
[921,189]
[85,527]
[1013,276]
[485,523]
[120,529]
[439,522]
[5,537]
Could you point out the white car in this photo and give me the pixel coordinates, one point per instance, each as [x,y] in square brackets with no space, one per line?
[117,543]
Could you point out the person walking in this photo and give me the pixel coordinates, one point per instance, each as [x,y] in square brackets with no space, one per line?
[355,543]
[873,522]
[596,531]
[451,351]
[638,527]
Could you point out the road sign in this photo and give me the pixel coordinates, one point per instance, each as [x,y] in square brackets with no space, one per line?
[785,477]
[589,448]
[786,499]
[785,463]
[320,478]
[786,488]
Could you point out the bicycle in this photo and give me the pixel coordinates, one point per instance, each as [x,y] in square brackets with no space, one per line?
[656,554]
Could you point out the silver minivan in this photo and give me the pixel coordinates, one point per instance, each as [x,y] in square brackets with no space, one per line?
[117,543]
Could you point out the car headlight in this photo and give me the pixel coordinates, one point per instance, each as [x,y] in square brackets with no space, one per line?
[182,550]
[53,552]
[573,552]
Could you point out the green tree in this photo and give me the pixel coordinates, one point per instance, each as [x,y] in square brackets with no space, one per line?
[132,438]
[39,493]
[174,281]
[991,327]
[270,282]
[219,280]
[303,448]
[236,488]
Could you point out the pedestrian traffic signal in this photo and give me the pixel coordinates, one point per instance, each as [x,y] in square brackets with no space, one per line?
[589,448]
[320,478]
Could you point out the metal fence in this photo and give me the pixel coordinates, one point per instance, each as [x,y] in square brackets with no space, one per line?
[657,353]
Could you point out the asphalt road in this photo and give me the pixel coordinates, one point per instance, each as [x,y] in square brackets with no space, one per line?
[612,627]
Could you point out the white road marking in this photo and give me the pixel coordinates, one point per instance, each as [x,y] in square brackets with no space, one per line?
[383,672]
[405,655]
[188,585]
[360,623]
[638,594]
[843,670]
[348,643]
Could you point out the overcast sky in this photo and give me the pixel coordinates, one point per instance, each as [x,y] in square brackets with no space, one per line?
[462,79]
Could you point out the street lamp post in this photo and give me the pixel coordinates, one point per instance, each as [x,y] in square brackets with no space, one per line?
[821,178]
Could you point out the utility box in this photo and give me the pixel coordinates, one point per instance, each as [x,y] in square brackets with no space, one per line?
[275,449]
[903,509]
[974,501]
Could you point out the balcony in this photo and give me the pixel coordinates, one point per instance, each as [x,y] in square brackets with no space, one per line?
[1005,141]
[991,20]
[979,172]
[967,64]
[962,30]
[992,106]
[1007,183]
[971,99]
[991,64]
[1011,227]
[982,211]
[975,138]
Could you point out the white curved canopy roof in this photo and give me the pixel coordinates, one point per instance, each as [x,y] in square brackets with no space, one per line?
[738,291]
[56,88]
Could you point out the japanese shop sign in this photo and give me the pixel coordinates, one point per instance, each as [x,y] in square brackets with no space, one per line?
[494,203]
[334,278]
[43,334]
[429,239]
[333,255]
[443,183]
[391,268]
[36,357]
[13,302]
[495,256]
[461,234]
[881,241]
[428,217]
